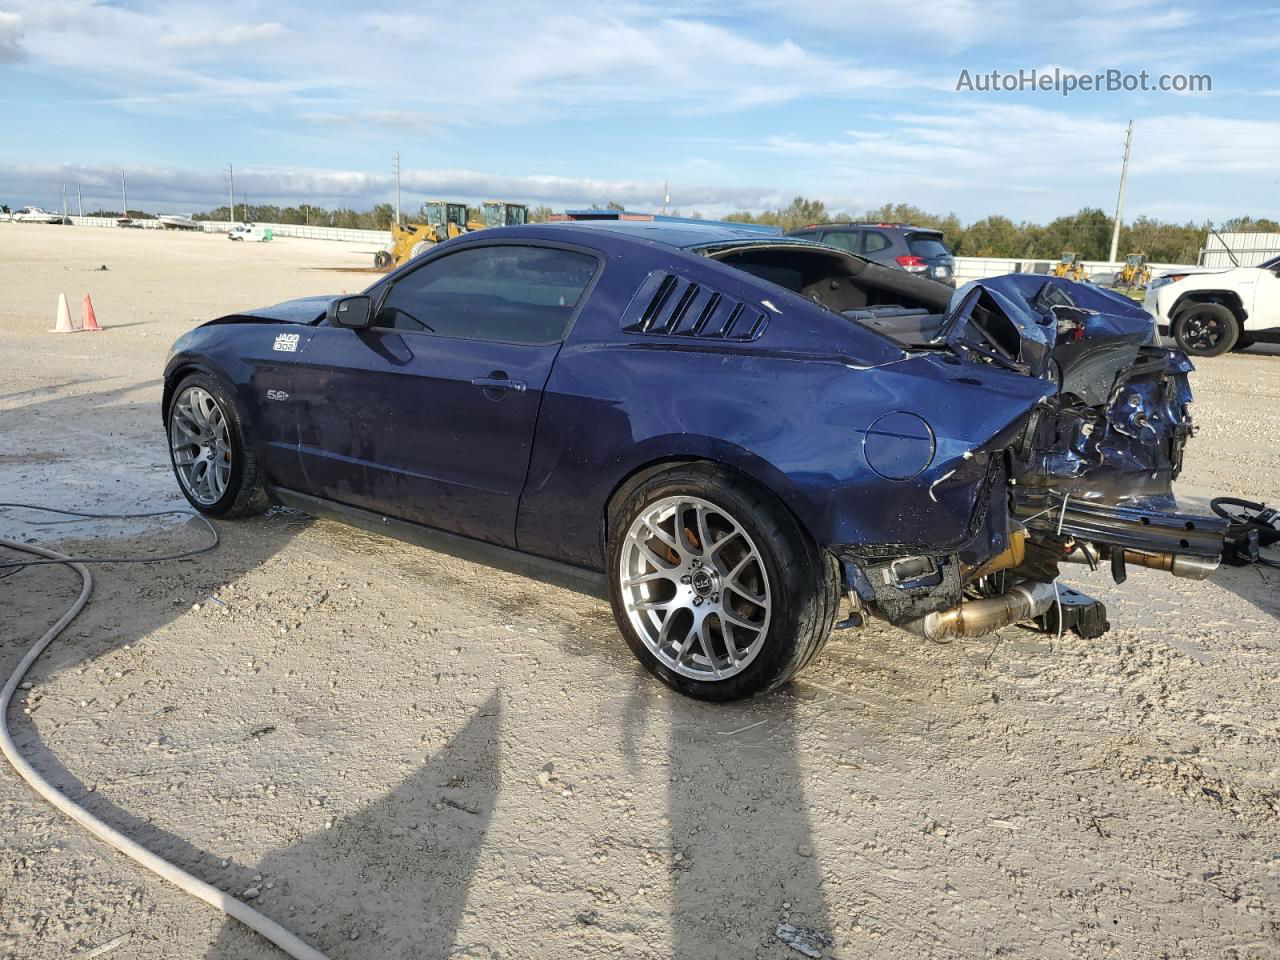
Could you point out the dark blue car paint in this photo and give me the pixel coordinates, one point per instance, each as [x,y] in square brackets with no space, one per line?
[392,422]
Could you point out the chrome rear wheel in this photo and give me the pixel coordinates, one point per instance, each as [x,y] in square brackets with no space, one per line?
[200,442]
[695,588]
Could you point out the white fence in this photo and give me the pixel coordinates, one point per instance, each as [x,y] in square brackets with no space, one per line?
[110,222]
[307,233]
[1097,271]
[378,237]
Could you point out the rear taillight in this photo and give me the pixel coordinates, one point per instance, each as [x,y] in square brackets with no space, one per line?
[910,261]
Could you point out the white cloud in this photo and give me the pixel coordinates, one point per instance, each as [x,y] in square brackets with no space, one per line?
[511,62]
[407,121]
[1036,162]
[10,37]
[232,36]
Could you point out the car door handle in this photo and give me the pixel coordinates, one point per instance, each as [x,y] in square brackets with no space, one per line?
[499,383]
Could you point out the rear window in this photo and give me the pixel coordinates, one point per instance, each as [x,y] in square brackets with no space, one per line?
[873,241]
[844,240]
[928,245]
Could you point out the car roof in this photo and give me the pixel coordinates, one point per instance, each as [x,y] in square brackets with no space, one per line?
[682,236]
[851,225]
[686,236]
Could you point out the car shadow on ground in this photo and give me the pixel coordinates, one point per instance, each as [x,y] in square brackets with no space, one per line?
[740,823]
[414,851]
[1259,585]
[739,833]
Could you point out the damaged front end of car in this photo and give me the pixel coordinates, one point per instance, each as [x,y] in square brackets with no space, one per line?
[1086,479]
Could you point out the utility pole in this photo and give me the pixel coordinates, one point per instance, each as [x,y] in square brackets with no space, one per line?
[64,200]
[397,159]
[124,193]
[666,198]
[1124,172]
[79,202]
[231,207]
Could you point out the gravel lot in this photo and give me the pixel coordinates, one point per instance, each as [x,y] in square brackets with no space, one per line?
[409,756]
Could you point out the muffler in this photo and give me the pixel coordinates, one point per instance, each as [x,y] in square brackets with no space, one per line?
[976,618]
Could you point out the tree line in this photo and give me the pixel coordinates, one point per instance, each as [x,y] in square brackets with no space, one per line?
[1086,232]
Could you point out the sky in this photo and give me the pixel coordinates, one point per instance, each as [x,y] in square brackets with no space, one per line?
[735,106]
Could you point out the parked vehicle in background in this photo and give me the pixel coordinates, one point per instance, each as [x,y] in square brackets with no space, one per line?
[249,231]
[34,215]
[917,250]
[727,434]
[5,213]
[1209,312]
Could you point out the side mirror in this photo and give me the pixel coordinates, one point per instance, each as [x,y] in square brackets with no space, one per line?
[353,312]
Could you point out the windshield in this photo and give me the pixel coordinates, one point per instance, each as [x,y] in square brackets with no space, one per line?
[1271,264]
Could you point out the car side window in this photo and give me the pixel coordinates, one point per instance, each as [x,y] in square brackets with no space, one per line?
[873,241]
[507,293]
[841,239]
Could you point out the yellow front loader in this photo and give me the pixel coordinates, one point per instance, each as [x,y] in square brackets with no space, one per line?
[1070,266]
[496,213]
[443,221]
[1134,273]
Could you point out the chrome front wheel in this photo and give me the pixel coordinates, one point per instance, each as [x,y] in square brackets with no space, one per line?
[695,588]
[200,442]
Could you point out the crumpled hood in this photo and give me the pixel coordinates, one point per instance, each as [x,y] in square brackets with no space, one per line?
[303,310]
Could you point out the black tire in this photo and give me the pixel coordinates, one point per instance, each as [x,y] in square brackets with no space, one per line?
[803,580]
[1205,329]
[381,259]
[246,492]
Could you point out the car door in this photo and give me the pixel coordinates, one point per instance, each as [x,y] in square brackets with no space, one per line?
[1264,313]
[428,415]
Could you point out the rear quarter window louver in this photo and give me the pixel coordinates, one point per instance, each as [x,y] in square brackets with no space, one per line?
[670,306]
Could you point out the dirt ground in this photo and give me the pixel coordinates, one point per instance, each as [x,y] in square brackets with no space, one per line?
[409,756]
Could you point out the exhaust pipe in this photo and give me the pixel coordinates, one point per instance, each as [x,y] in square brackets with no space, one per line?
[1179,564]
[976,618]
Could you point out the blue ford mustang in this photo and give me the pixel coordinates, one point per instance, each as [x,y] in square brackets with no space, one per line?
[731,436]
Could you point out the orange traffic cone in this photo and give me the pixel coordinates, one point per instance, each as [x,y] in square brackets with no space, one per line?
[64,317]
[90,321]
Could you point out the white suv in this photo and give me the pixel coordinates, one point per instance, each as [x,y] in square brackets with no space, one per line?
[1210,311]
